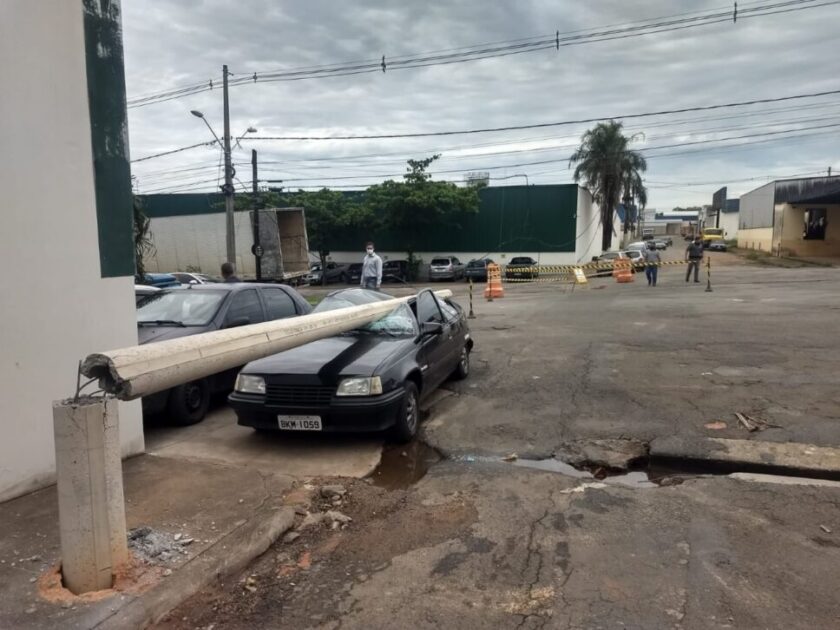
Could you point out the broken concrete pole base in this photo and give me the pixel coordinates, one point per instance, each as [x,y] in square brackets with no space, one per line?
[91,505]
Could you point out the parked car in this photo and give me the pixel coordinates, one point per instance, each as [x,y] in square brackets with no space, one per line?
[660,244]
[476,270]
[605,259]
[354,273]
[335,273]
[521,267]
[668,240]
[188,277]
[141,291]
[395,271]
[637,245]
[199,308]
[160,280]
[717,246]
[446,268]
[370,379]
[636,257]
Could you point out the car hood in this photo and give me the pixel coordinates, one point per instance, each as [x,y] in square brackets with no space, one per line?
[344,355]
[149,334]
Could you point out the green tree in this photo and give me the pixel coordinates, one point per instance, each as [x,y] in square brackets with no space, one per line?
[410,207]
[329,213]
[608,167]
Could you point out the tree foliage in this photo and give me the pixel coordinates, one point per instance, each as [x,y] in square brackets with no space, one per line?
[143,243]
[417,202]
[611,170]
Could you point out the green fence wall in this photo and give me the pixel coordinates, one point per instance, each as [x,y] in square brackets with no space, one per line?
[509,219]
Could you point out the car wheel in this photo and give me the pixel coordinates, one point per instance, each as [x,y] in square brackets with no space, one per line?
[188,403]
[462,371]
[408,417]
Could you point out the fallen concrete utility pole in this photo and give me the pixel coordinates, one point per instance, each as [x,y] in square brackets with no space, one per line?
[91,507]
[137,371]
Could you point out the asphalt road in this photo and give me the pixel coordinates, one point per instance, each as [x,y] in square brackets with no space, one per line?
[479,542]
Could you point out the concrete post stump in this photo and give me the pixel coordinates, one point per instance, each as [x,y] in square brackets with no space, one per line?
[91,504]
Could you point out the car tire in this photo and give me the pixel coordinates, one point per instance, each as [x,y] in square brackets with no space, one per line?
[462,370]
[188,403]
[408,417]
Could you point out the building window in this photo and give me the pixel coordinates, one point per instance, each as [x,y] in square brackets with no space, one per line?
[814,224]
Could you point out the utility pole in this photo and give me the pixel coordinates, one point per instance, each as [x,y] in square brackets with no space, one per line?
[257,247]
[230,237]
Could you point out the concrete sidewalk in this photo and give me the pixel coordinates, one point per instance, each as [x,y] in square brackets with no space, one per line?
[206,520]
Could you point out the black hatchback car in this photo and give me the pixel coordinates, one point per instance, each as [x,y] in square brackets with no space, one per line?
[199,308]
[369,379]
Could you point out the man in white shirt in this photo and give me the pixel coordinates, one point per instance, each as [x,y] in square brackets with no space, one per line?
[371,269]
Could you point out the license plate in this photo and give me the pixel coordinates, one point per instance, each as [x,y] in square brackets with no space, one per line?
[300,423]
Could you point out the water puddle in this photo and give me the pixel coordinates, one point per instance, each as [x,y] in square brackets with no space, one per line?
[403,465]
[632,479]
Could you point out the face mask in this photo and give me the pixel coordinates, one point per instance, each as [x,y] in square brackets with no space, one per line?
[370,251]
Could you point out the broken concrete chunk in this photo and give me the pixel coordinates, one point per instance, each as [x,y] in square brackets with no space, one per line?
[614,454]
[329,492]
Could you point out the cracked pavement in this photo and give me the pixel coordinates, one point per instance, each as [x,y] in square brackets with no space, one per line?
[480,543]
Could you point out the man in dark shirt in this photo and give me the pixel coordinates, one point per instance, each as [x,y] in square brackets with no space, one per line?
[694,256]
[228,273]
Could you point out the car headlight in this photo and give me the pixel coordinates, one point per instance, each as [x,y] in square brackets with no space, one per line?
[360,387]
[249,384]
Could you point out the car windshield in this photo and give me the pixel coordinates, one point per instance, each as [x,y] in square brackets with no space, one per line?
[521,261]
[399,322]
[477,263]
[440,261]
[713,231]
[184,306]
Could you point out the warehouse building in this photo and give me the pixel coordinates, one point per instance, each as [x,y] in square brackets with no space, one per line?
[797,217]
[555,224]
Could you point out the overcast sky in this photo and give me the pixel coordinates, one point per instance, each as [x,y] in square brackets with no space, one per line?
[171,43]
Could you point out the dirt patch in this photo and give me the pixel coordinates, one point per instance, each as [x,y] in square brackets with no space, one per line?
[304,583]
[135,577]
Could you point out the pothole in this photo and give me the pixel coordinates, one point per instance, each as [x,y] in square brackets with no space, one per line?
[403,465]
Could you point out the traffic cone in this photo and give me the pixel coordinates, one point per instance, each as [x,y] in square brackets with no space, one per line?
[622,271]
[494,282]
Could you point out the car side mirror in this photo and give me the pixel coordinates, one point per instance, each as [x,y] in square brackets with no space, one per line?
[431,328]
[239,321]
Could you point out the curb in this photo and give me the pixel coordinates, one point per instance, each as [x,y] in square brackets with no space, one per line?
[791,456]
[229,555]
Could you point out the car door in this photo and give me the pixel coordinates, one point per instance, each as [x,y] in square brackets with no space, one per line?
[244,308]
[278,303]
[435,350]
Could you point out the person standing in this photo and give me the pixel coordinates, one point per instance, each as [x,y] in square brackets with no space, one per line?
[694,257]
[371,269]
[652,260]
[229,273]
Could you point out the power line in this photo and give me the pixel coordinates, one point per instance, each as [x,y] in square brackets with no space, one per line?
[487,51]
[514,127]
[579,121]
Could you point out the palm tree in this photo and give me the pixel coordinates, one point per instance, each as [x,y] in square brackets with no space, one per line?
[609,167]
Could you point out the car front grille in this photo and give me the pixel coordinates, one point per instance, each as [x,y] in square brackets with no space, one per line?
[298,395]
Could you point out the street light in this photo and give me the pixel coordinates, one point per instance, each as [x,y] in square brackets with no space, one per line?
[227,189]
[247,131]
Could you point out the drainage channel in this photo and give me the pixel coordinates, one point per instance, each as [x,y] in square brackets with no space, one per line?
[404,465]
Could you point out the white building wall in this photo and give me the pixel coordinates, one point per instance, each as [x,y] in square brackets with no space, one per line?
[729,224]
[55,308]
[589,228]
[198,242]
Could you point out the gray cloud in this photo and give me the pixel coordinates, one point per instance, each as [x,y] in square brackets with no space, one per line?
[171,43]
